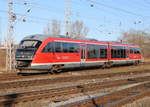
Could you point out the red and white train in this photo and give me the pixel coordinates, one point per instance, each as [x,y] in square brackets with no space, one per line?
[43,52]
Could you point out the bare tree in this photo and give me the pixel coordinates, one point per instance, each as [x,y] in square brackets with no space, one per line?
[78,30]
[53,28]
[140,38]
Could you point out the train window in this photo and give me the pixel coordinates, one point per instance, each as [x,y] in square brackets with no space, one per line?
[65,47]
[123,53]
[73,47]
[118,52]
[103,52]
[48,48]
[58,47]
[131,50]
[30,44]
[97,52]
[135,51]
[138,51]
[93,52]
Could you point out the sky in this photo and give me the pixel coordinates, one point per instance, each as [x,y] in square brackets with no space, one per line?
[105,19]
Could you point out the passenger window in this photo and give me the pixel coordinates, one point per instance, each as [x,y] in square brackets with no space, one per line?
[48,48]
[93,52]
[97,52]
[62,47]
[118,52]
[73,48]
[58,48]
[65,47]
[103,52]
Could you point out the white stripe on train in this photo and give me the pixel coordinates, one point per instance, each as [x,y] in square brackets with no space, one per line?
[37,64]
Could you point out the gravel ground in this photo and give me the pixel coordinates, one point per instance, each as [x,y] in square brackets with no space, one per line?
[144,102]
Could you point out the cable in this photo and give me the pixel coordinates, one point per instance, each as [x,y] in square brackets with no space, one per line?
[36,5]
[34,17]
[117,9]
[39,6]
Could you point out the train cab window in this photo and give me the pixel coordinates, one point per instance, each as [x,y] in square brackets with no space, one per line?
[135,51]
[30,44]
[131,50]
[48,48]
[138,51]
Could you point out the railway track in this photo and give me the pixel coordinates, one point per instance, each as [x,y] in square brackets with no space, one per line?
[14,77]
[114,99]
[74,78]
[63,93]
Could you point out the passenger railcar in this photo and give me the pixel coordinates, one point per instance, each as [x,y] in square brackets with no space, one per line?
[60,52]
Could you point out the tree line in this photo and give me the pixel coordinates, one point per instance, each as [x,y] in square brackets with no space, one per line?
[139,37]
[77,29]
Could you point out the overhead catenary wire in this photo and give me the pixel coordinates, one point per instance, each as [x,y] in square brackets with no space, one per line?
[118,9]
[33,17]
[39,6]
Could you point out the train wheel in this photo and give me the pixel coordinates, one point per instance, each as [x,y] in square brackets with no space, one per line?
[55,69]
[107,65]
[136,62]
[104,66]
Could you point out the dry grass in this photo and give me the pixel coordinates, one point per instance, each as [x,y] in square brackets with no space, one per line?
[145,102]
[147,60]
[2,59]
[129,68]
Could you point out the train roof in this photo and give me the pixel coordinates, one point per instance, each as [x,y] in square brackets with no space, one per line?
[42,37]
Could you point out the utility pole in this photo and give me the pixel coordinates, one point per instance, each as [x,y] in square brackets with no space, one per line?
[0,32]
[10,50]
[68,13]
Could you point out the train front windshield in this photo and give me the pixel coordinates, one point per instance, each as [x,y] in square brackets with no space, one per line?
[30,44]
[27,49]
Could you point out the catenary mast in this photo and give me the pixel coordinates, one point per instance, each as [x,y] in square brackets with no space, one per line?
[10,51]
[68,13]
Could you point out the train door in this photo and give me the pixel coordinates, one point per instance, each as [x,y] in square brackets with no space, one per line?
[82,54]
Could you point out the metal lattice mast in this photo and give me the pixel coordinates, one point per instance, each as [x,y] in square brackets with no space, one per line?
[10,52]
[0,31]
[68,13]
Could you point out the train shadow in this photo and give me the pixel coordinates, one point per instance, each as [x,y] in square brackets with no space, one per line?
[30,74]
[10,100]
[71,70]
[93,68]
